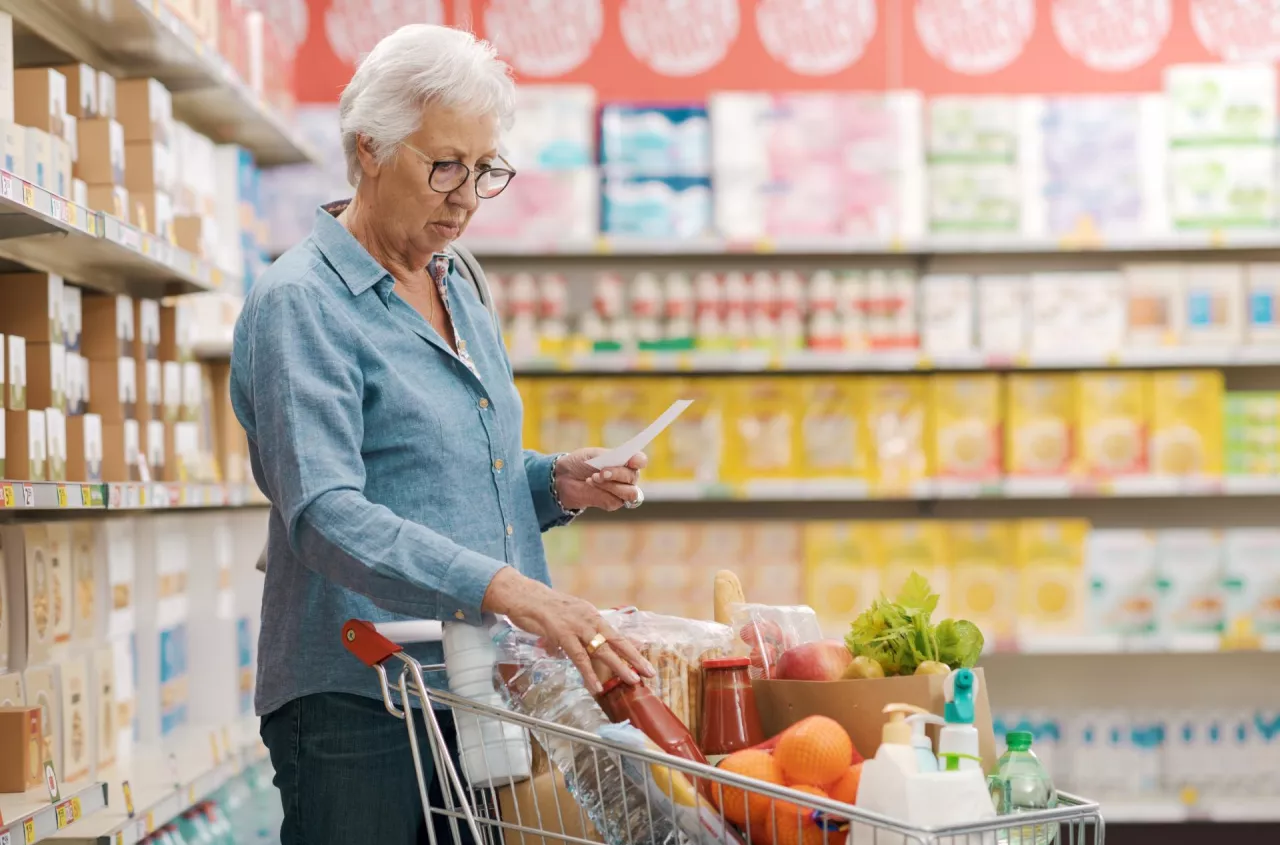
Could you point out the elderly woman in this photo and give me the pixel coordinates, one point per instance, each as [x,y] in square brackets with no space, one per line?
[384,427]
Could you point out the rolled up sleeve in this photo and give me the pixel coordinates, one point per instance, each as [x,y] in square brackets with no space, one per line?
[300,397]
[539,467]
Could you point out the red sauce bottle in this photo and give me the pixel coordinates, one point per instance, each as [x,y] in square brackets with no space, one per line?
[637,704]
[730,721]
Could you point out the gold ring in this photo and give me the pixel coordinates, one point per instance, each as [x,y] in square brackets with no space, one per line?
[596,641]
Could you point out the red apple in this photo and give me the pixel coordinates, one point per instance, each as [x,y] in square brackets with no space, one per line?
[824,660]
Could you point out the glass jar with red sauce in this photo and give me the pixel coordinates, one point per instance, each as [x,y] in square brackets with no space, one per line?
[623,702]
[730,721]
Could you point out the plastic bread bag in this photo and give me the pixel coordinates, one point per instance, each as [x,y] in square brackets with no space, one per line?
[766,631]
[675,647]
[671,793]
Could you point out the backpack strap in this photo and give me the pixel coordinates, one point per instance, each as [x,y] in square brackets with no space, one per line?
[470,269]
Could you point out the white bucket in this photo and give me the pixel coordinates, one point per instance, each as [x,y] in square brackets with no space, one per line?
[493,753]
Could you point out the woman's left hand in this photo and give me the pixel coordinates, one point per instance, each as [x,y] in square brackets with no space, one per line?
[580,485]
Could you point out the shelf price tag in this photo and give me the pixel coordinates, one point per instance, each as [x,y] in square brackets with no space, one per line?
[7,493]
[119,837]
[6,186]
[28,195]
[86,495]
[77,812]
[6,838]
[213,746]
[29,831]
[28,496]
[55,207]
[128,799]
[62,495]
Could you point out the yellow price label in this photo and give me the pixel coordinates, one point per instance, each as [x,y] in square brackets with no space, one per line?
[8,496]
[896,245]
[62,495]
[191,794]
[61,813]
[73,215]
[1217,239]
[213,746]
[684,362]
[119,837]
[603,246]
[28,195]
[142,496]
[151,822]
[765,246]
[86,495]
[29,831]
[76,810]
[644,361]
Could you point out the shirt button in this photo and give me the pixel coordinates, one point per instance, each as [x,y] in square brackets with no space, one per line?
[462,346]
[484,403]
[459,615]
[498,464]
[510,530]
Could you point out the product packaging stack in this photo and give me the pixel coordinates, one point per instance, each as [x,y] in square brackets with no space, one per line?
[163,558]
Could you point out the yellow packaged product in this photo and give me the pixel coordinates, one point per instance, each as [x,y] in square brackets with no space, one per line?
[966,442]
[692,448]
[1186,430]
[664,582]
[1050,558]
[907,546]
[530,399]
[773,564]
[897,421]
[842,573]
[563,415]
[607,577]
[833,435]
[1040,412]
[983,579]
[620,408]
[1115,419]
[764,430]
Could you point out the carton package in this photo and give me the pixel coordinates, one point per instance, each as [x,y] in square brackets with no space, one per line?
[947,314]
[114,548]
[13,149]
[1186,423]
[77,384]
[5,614]
[1222,187]
[1049,555]
[544,797]
[146,322]
[27,568]
[152,212]
[148,168]
[82,90]
[1100,312]
[11,694]
[1040,412]
[983,581]
[154,439]
[61,169]
[192,391]
[115,389]
[26,447]
[182,447]
[151,391]
[21,738]
[1215,309]
[61,584]
[38,157]
[108,327]
[16,368]
[77,717]
[212,620]
[1220,102]
[858,706]
[107,95]
[33,306]
[833,435]
[47,375]
[110,199]
[41,686]
[1156,307]
[1114,424]
[966,413]
[765,430]
[40,99]
[1251,420]
[1263,312]
[1251,581]
[56,437]
[171,375]
[163,613]
[145,109]
[1002,314]
[84,612]
[72,317]
[124,662]
[102,152]
[103,702]
[1120,565]
[84,448]
[6,67]
[121,449]
[897,412]
[176,334]
[1189,562]
[842,575]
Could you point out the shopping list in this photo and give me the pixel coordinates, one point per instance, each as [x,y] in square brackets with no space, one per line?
[619,455]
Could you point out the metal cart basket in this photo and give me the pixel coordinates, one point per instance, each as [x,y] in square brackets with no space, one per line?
[599,765]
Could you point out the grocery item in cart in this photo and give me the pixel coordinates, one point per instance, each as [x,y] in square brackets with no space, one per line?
[768,632]
[491,752]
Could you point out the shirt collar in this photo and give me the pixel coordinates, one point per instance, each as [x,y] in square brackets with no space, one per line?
[352,261]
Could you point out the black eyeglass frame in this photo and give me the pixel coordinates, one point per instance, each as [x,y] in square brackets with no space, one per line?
[467,171]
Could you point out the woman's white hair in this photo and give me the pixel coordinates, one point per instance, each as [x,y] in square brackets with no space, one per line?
[416,66]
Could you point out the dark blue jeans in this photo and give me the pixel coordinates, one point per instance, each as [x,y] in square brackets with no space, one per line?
[345,773]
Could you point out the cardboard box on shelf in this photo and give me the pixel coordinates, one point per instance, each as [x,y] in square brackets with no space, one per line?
[72,317]
[151,391]
[1214,304]
[84,448]
[833,434]
[77,384]
[13,149]
[103,703]
[21,758]
[108,327]
[897,417]
[153,213]
[16,369]
[195,234]
[11,688]
[38,157]
[183,449]
[230,442]
[82,90]
[61,584]
[40,99]
[33,306]
[1123,582]
[172,377]
[84,610]
[110,199]
[842,571]
[1251,581]
[983,584]
[107,95]
[26,450]
[1114,424]
[146,322]
[909,545]
[121,447]
[77,747]
[41,686]
[765,433]
[192,391]
[145,108]
[176,329]
[115,389]
[1049,555]
[148,168]
[56,437]
[61,168]
[966,412]
[1189,562]
[1186,423]
[29,586]
[71,134]
[6,67]
[154,439]
[102,152]
[1039,415]
[47,375]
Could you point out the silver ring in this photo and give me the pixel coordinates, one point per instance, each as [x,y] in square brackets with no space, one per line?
[635,503]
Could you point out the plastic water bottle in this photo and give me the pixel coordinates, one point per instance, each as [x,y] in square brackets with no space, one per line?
[1022,785]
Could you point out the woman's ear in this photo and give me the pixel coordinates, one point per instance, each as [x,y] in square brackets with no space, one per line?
[369,164]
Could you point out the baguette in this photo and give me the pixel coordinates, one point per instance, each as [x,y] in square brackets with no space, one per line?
[728,592]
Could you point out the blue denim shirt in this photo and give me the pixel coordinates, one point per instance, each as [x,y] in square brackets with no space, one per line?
[396,477]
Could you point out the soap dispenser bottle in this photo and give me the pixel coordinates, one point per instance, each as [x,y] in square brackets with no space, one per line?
[882,787]
[925,759]
[958,739]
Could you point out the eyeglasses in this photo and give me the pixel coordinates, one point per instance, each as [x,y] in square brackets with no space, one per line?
[448,176]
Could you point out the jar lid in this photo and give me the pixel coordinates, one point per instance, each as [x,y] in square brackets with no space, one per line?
[726,662]
[610,685]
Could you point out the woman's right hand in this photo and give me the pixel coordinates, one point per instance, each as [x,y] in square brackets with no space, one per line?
[567,622]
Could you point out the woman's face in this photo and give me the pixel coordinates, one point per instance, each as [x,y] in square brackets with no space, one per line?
[426,218]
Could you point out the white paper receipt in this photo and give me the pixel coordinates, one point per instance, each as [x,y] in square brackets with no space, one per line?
[619,455]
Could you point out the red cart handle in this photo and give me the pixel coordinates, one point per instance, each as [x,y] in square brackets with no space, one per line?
[364,641]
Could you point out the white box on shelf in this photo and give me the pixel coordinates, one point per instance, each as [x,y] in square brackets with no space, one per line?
[26,554]
[1222,187]
[61,583]
[40,686]
[1120,565]
[947,314]
[105,707]
[1190,568]
[1054,313]
[1002,314]
[77,718]
[1263,304]
[163,612]
[6,67]
[1155,311]
[1100,311]
[1215,301]
[1251,580]
[115,584]
[85,604]
[212,622]
[1220,102]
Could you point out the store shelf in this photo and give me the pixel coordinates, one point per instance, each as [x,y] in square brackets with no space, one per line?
[1175,811]
[622,247]
[41,230]
[166,781]
[755,361]
[132,38]
[29,816]
[1106,644]
[1050,488]
[24,496]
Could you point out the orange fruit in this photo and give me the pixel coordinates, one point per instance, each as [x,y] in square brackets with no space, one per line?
[814,752]
[737,805]
[792,824]
[845,790]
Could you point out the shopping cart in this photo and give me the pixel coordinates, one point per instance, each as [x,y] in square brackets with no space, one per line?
[601,766]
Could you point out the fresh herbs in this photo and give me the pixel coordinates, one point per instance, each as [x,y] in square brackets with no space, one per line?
[900,636]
